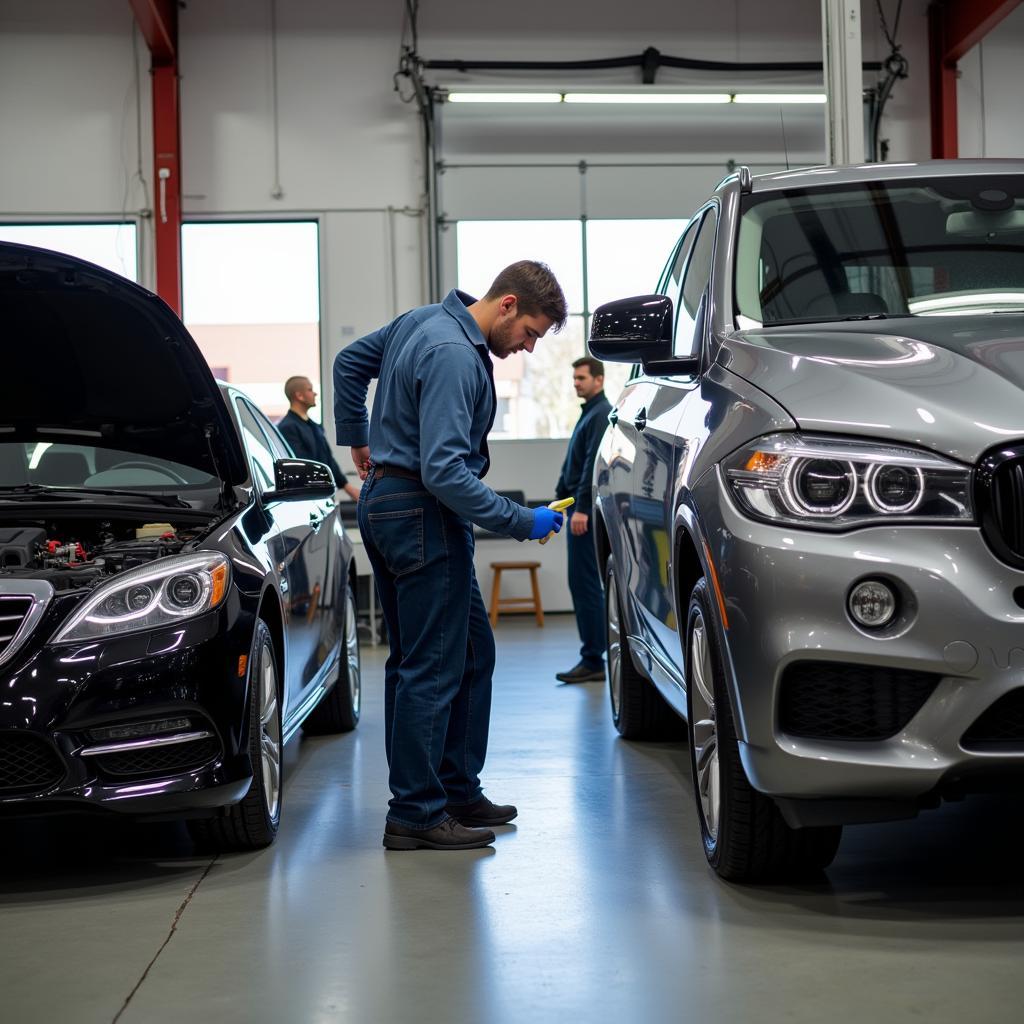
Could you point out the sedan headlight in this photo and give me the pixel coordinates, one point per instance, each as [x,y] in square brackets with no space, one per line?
[835,484]
[159,594]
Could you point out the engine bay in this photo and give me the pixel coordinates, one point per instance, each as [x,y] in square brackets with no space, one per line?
[80,553]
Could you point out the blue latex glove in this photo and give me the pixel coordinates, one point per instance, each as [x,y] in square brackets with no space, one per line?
[545,521]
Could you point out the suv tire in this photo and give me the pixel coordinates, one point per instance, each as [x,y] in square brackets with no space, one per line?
[744,835]
[639,712]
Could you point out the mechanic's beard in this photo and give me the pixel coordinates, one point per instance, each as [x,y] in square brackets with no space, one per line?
[501,338]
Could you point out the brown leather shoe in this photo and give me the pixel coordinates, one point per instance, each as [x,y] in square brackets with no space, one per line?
[449,835]
[482,813]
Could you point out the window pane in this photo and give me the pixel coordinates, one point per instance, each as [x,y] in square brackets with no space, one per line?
[485,247]
[626,257]
[112,246]
[252,302]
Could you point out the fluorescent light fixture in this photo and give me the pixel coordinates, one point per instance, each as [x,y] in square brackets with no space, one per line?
[647,97]
[779,97]
[504,97]
[644,97]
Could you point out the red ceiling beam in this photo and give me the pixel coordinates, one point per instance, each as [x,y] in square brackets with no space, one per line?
[954,27]
[158,23]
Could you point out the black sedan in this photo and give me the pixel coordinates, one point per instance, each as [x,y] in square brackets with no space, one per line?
[177,592]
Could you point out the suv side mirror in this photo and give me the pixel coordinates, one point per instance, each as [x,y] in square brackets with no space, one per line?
[638,329]
[299,479]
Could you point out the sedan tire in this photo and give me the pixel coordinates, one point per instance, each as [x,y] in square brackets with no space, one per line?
[639,712]
[745,837]
[252,823]
[339,709]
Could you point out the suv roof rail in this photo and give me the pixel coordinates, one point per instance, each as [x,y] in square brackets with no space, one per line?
[740,174]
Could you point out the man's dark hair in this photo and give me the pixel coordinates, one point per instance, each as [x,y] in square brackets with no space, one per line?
[293,385]
[535,288]
[595,366]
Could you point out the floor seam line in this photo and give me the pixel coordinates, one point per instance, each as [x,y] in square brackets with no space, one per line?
[183,906]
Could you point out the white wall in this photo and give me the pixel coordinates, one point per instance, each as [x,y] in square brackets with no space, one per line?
[349,149]
[989,92]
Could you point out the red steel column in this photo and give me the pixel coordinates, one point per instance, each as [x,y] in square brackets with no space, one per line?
[167,191]
[954,26]
[158,23]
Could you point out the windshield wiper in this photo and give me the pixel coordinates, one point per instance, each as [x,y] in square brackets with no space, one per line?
[22,491]
[836,319]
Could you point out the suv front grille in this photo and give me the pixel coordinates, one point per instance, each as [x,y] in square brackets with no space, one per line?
[999,495]
[13,609]
[1000,727]
[27,762]
[835,701]
[170,759]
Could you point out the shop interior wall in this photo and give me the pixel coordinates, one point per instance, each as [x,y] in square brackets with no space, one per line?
[74,134]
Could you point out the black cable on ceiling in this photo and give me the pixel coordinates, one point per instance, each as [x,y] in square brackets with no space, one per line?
[896,66]
[649,61]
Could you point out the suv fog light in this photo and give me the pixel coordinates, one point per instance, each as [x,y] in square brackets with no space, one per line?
[137,729]
[872,604]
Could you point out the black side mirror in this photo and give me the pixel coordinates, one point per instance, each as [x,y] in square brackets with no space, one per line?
[638,329]
[299,479]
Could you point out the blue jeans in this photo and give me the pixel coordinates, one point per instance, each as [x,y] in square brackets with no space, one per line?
[587,596]
[437,679]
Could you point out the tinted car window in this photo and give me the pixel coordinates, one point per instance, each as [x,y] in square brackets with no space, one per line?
[695,281]
[278,445]
[673,277]
[257,446]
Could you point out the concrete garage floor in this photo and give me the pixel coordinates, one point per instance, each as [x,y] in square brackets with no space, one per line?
[596,905]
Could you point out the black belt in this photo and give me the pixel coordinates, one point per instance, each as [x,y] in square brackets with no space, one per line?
[405,474]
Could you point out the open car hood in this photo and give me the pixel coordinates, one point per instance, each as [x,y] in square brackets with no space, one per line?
[91,358]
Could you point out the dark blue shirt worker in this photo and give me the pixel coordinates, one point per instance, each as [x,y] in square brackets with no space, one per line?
[306,436]
[422,457]
[575,481]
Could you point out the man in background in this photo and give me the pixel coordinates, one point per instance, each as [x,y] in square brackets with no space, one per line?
[305,435]
[575,481]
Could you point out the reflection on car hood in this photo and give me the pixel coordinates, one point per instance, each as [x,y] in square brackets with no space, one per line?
[91,358]
[952,384]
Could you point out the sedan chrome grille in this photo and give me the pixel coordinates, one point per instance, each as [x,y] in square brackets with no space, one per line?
[22,604]
[13,609]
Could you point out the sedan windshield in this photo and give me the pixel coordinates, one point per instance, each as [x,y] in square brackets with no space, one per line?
[85,468]
[921,247]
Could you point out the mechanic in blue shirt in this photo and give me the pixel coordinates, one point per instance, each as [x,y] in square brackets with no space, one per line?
[575,481]
[422,456]
[306,436]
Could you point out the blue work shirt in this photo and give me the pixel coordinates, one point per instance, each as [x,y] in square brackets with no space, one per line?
[433,408]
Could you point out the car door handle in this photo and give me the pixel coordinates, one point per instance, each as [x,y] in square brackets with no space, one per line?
[613,417]
[640,421]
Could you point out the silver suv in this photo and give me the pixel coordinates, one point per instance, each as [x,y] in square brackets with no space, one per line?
[810,502]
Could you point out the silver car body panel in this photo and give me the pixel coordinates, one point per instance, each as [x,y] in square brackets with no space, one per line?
[952,385]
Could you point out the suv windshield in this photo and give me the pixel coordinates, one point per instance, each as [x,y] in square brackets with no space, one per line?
[914,247]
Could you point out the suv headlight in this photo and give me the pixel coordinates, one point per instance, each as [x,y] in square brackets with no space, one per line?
[834,484]
[162,593]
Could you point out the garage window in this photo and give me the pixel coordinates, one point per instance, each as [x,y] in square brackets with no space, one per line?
[595,261]
[113,246]
[251,294]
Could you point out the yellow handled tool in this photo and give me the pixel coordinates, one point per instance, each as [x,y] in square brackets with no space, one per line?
[557,506]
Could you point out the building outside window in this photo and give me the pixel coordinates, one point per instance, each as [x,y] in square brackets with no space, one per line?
[595,261]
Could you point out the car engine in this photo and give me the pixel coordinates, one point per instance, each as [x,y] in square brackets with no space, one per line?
[81,554]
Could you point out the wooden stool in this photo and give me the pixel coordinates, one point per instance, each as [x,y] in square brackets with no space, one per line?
[515,603]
